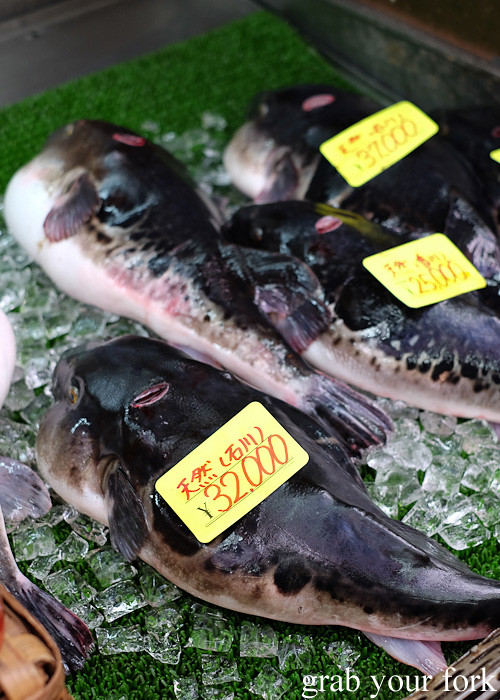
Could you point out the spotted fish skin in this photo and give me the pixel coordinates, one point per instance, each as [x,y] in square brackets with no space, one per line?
[128,410]
[444,357]
[116,222]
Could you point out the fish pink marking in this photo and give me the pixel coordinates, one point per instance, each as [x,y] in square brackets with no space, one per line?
[327,224]
[151,395]
[495,132]
[317,101]
[129,139]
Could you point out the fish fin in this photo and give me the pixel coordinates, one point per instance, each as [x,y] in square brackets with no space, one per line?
[71,635]
[72,210]
[283,184]
[358,420]
[426,656]
[288,293]
[299,326]
[22,492]
[481,662]
[127,521]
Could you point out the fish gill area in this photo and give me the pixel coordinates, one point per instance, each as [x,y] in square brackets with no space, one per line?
[437,473]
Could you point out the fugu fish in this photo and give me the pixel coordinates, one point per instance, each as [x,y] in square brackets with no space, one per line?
[115,221]
[444,357]
[316,551]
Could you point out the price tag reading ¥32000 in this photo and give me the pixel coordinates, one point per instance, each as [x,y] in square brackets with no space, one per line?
[231,472]
[495,155]
[425,271]
[373,144]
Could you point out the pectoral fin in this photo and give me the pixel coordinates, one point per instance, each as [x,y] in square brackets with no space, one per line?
[288,293]
[73,209]
[127,520]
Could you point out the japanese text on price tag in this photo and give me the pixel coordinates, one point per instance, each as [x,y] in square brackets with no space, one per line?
[373,144]
[495,155]
[425,271]
[231,472]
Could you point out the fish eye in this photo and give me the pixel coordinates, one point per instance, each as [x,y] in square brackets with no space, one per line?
[73,393]
[258,234]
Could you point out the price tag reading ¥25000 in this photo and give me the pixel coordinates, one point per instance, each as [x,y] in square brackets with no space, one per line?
[373,144]
[425,271]
[495,155]
[231,472]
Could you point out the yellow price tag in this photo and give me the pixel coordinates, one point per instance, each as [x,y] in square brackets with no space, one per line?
[373,144]
[495,155]
[425,271]
[231,472]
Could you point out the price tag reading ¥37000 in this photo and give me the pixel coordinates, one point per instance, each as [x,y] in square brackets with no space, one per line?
[425,271]
[231,472]
[495,155]
[373,144]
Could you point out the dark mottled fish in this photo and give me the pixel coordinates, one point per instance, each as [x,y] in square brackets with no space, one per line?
[23,494]
[274,155]
[116,222]
[417,194]
[444,357]
[128,410]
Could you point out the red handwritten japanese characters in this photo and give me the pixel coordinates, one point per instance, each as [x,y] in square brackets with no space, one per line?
[424,274]
[383,138]
[242,467]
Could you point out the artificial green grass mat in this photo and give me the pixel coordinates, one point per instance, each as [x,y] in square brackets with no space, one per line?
[219,73]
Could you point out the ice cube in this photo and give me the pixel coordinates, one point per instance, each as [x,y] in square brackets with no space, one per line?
[69,587]
[210,632]
[468,531]
[119,599]
[476,434]
[438,424]
[444,475]
[270,684]
[119,640]
[186,688]
[295,651]
[216,670]
[257,639]
[86,527]
[343,654]
[36,542]
[157,590]
[165,647]
[109,567]
[427,513]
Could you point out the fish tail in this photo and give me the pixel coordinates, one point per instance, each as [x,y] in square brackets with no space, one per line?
[358,421]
